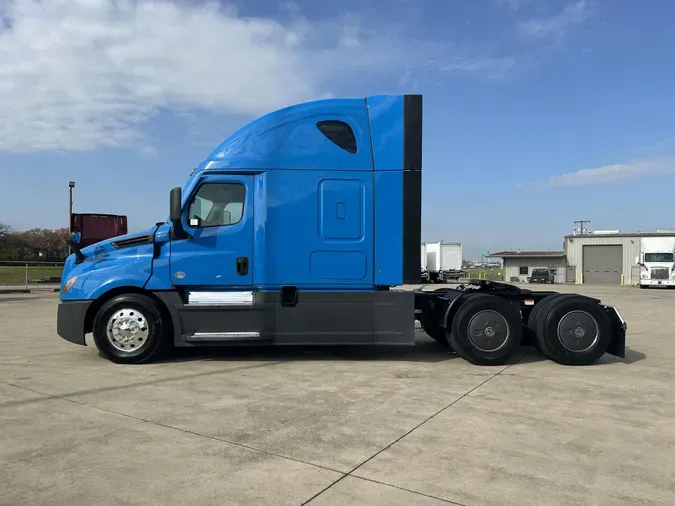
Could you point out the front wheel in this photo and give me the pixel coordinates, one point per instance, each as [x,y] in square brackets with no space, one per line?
[130,329]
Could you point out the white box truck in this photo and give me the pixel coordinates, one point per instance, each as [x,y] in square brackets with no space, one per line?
[423,257]
[444,261]
[657,256]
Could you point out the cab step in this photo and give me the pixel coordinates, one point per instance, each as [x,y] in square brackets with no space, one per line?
[225,336]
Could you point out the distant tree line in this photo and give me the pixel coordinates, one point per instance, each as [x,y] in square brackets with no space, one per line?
[36,244]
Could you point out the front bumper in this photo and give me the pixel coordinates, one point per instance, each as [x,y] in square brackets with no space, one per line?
[70,320]
[657,282]
[450,274]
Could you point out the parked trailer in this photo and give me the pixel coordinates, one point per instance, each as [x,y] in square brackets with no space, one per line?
[297,230]
[443,261]
[96,227]
[424,277]
[452,259]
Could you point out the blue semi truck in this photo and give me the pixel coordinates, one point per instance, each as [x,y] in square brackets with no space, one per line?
[297,230]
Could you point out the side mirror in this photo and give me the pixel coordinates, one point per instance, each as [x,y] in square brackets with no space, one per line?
[175,212]
[74,238]
[175,200]
[73,241]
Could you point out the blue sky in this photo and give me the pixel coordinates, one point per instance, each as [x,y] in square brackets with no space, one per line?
[537,112]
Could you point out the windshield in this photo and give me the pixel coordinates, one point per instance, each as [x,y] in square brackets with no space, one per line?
[540,272]
[658,257]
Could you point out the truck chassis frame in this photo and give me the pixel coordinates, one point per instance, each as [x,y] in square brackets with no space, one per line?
[570,329]
[485,322]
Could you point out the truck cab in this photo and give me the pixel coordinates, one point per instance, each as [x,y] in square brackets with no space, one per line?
[656,262]
[298,229]
[291,231]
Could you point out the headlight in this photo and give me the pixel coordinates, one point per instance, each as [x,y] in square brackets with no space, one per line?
[69,284]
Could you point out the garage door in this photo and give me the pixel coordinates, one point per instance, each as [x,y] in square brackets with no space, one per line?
[602,265]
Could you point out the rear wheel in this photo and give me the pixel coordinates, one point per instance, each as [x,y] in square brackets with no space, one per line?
[129,329]
[486,330]
[544,304]
[436,332]
[573,330]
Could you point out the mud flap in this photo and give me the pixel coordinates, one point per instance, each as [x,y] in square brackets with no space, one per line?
[619,327]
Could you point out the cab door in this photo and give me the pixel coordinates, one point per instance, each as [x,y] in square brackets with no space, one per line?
[218,217]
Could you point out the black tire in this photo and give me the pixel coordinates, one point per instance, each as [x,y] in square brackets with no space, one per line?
[142,314]
[486,312]
[436,332]
[573,330]
[544,304]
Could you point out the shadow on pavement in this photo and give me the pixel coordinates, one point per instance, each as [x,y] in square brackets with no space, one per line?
[532,356]
[632,356]
[426,351]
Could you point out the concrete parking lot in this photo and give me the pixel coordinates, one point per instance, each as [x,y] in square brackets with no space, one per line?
[336,426]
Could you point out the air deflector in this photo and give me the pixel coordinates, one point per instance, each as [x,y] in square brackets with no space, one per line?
[412,187]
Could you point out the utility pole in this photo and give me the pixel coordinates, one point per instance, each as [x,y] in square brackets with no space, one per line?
[71,185]
[581,225]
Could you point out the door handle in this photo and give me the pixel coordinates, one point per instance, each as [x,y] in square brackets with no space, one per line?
[242,266]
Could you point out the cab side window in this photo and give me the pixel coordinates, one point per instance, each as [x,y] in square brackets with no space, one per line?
[217,205]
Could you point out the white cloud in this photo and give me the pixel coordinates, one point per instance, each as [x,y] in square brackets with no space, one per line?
[615,172]
[493,68]
[556,27]
[87,74]
[514,5]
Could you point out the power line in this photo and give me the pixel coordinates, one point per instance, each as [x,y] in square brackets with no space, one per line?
[581,225]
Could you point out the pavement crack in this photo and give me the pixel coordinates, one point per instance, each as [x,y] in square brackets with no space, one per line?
[408,490]
[429,418]
[159,381]
[178,429]
[31,357]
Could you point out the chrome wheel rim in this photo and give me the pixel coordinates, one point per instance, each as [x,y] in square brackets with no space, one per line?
[128,330]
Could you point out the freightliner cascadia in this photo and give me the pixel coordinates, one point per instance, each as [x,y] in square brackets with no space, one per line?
[296,230]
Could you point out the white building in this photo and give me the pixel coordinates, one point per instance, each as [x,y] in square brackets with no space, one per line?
[605,259]
[601,258]
[518,265]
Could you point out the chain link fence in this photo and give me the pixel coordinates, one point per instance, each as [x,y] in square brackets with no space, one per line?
[30,274]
